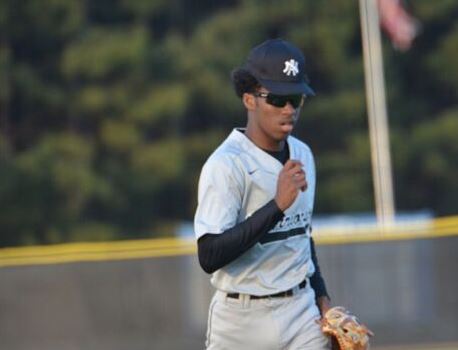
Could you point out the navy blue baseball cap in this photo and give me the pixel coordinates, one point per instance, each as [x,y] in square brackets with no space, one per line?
[279,66]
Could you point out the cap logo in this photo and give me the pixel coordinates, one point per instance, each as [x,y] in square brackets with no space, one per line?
[291,68]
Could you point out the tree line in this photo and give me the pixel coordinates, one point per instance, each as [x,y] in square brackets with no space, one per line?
[110,108]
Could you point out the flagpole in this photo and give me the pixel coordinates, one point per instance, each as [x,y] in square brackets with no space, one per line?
[377,114]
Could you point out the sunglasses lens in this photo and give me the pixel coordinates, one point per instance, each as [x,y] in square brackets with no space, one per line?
[295,100]
[282,100]
[277,100]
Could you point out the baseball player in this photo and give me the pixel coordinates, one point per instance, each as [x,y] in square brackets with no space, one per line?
[253,220]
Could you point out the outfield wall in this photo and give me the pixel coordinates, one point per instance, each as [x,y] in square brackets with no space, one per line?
[406,290]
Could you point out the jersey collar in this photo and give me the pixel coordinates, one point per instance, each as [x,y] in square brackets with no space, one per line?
[269,163]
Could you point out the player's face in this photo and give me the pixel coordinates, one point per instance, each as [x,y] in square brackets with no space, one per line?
[268,124]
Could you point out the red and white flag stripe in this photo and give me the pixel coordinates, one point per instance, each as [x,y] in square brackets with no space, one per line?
[401,27]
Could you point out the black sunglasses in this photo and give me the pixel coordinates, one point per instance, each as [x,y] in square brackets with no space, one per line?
[281,100]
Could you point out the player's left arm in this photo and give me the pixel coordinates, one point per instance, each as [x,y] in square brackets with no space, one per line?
[323,300]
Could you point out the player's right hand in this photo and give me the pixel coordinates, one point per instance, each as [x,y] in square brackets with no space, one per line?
[291,180]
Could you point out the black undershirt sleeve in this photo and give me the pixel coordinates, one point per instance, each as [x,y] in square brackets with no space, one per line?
[317,281]
[218,250]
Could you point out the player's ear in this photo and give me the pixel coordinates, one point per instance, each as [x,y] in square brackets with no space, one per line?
[249,101]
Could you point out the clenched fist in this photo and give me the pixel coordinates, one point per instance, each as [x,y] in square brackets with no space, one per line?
[291,180]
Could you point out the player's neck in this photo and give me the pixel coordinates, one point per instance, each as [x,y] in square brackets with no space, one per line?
[263,141]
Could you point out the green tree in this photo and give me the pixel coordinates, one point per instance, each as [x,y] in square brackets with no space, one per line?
[108,109]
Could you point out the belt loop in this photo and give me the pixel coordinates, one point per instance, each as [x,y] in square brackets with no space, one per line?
[245,300]
[297,288]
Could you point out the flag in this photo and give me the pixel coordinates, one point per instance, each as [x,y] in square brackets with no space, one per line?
[401,27]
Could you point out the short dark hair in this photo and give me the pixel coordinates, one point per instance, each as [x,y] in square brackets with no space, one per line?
[244,82]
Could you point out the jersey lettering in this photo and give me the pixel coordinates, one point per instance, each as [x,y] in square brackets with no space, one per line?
[282,235]
[289,226]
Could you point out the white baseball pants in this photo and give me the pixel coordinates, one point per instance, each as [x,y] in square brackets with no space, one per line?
[285,323]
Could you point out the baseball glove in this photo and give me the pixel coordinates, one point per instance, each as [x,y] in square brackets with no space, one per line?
[349,333]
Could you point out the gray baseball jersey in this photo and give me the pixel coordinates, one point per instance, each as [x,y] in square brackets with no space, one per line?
[238,179]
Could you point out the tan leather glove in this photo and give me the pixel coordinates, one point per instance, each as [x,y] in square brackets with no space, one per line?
[349,333]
